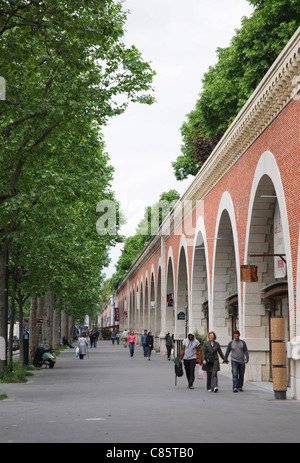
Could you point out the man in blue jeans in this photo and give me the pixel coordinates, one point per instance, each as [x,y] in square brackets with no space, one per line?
[239,358]
[144,343]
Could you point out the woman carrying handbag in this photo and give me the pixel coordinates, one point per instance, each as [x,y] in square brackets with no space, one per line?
[211,365]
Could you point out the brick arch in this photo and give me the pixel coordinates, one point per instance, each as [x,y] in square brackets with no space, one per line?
[182,287]
[141,315]
[158,300]
[267,189]
[134,320]
[225,270]
[267,176]
[146,303]
[152,295]
[200,279]
[130,312]
[137,305]
[170,288]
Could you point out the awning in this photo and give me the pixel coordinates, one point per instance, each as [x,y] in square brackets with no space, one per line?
[278,288]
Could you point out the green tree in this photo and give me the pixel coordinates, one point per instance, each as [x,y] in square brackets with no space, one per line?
[67,72]
[229,84]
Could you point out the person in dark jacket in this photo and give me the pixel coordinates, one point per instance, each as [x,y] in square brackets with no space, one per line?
[169,344]
[66,342]
[211,365]
[149,344]
[143,342]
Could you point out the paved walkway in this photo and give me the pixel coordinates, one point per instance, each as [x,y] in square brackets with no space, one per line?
[112,398]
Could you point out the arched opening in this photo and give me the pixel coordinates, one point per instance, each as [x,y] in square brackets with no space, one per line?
[158,305]
[134,318]
[199,299]
[141,308]
[125,313]
[268,297]
[170,319]
[182,297]
[146,307]
[137,309]
[225,318]
[152,305]
[130,312]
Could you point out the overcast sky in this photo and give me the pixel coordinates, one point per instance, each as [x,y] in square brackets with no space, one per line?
[180,39]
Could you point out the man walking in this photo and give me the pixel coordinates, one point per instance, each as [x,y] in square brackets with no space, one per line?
[169,344]
[144,343]
[125,337]
[239,358]
[188,354]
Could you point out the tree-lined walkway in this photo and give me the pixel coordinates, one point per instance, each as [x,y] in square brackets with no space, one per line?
[112,398]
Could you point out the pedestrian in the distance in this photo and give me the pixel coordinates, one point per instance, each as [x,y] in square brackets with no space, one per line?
[113,337]
[239,358]
[149,344]
[94,339]
[91,338]
[131,343]
[144,342]
[169,344]
[124,336]
[82,345]
[211,364]
[118,337]
[188,354]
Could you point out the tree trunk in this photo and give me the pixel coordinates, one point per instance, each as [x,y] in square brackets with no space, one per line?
[39,314]
[11,330]
[3,304]
[64,323]
[70,329]
[21,331]
[48,318]
[56,328]
[33,341]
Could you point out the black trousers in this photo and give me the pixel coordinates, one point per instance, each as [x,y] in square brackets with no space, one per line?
[169,348]
[189,366]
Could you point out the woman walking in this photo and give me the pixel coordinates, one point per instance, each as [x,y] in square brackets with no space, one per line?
[131,343]
[211,365]
[82,345]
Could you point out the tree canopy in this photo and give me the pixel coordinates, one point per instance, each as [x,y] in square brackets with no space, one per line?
[229,84]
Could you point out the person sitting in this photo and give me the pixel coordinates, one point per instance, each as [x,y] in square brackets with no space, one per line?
[66,343]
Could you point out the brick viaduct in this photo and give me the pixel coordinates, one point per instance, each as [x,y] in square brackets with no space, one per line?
[242,208]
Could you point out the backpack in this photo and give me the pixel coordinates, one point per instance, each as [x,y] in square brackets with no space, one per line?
[178,368]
